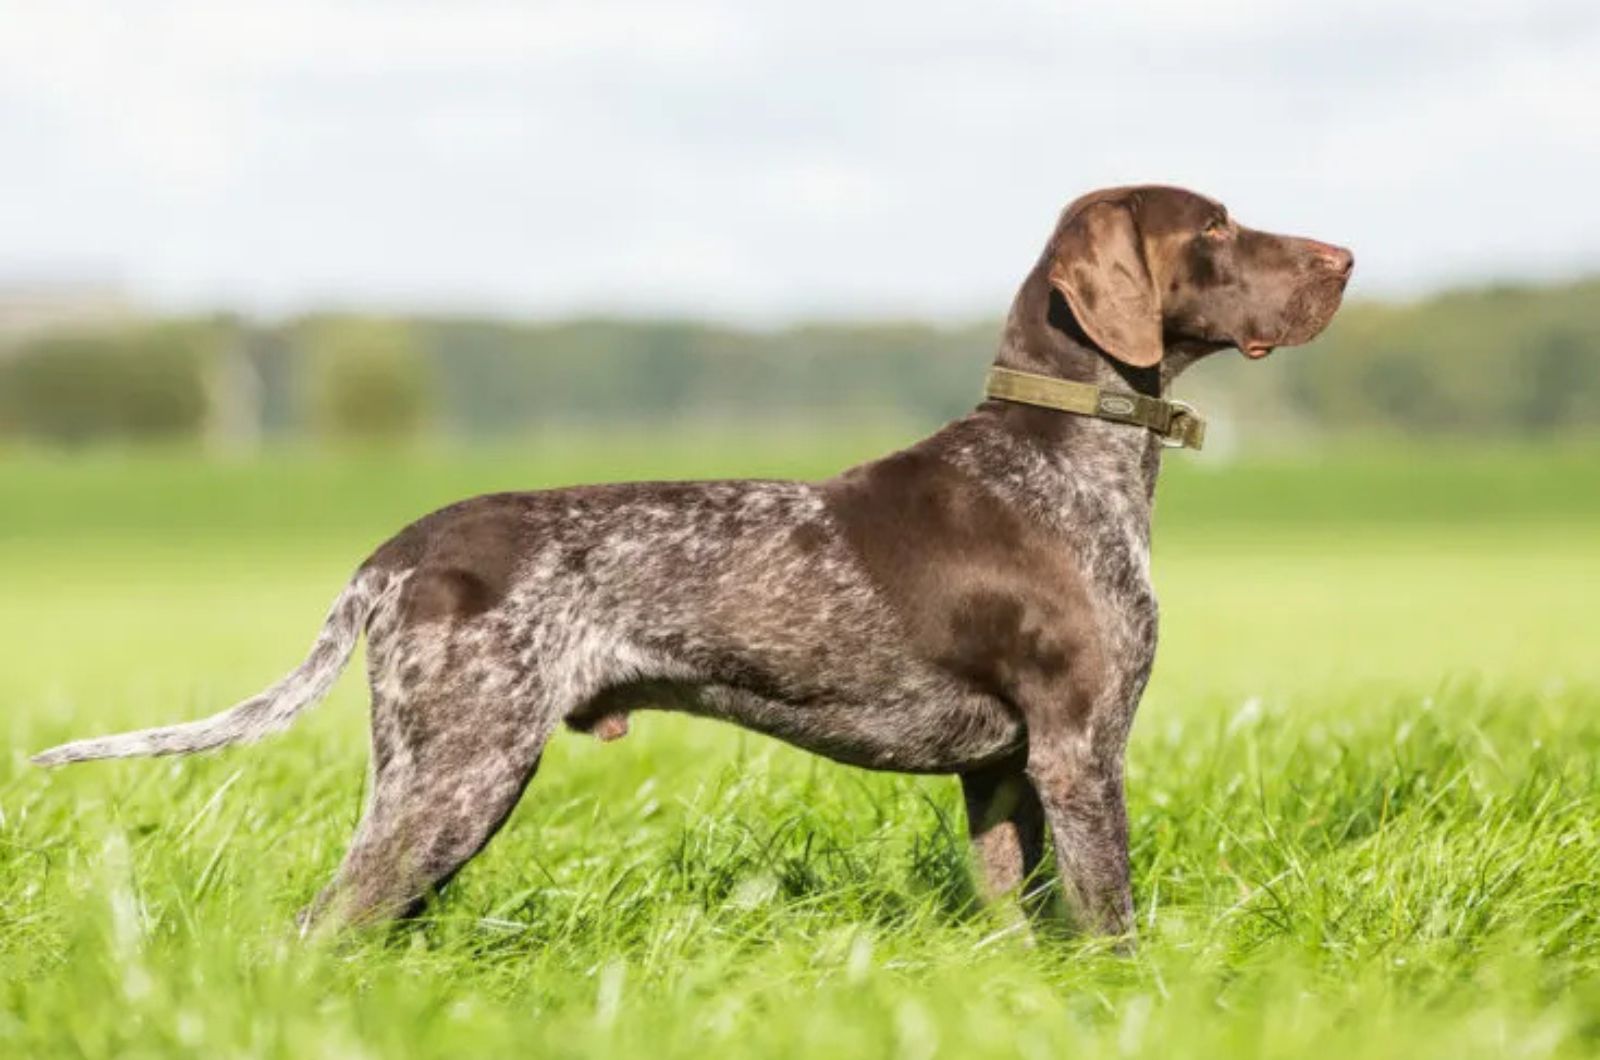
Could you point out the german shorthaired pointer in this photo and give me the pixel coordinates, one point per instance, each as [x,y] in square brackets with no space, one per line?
[978,604]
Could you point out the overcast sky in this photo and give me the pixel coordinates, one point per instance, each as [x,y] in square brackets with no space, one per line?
[763,160]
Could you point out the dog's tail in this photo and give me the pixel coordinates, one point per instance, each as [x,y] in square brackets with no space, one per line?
[261,714]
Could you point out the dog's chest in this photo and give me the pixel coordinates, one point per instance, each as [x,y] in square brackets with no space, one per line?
[1118,569]
[1101,523]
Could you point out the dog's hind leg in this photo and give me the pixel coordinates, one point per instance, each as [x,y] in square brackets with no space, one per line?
[443,782]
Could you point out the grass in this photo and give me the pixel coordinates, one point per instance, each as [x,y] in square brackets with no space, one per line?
[1365,792]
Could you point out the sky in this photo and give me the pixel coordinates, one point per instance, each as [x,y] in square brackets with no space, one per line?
[768,161]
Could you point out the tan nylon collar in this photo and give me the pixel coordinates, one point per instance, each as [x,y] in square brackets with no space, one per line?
[1175,423]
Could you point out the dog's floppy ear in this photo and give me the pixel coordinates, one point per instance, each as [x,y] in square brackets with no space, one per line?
[1098,265]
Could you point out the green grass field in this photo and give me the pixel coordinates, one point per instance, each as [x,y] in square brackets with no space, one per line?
[1365,793]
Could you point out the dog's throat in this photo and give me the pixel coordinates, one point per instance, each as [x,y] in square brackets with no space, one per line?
[1145,381]
[1174,422]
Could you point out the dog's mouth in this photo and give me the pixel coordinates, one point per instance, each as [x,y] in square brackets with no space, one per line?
[1307,313]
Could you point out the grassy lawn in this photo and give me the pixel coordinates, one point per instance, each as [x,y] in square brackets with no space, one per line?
[1365,792]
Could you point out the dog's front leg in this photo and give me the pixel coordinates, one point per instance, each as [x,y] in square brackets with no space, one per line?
[1080,787]
[1006,823]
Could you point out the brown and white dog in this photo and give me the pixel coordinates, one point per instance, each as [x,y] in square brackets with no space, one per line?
[977,604]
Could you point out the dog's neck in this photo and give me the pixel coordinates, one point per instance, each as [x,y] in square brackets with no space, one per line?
[1054,464]
[1043,336]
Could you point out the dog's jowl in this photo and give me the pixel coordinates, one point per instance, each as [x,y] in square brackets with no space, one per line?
[978,604]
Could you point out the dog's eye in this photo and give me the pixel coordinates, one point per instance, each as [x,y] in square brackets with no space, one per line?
[1217,226]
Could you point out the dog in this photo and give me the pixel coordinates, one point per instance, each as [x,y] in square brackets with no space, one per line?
[978,604]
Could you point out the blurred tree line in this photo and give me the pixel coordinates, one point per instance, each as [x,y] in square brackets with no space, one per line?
[1505,361]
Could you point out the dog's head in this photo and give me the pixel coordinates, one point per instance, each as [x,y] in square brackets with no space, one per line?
[1148,268]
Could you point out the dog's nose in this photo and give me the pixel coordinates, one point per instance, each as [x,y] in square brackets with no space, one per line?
[1338,259]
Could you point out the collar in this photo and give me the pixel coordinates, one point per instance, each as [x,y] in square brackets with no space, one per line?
[1175,423]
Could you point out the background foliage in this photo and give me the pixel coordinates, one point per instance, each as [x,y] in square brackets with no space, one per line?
[145,382]
[1507,361]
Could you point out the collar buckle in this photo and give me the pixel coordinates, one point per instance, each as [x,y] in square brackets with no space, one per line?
[1185,428]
